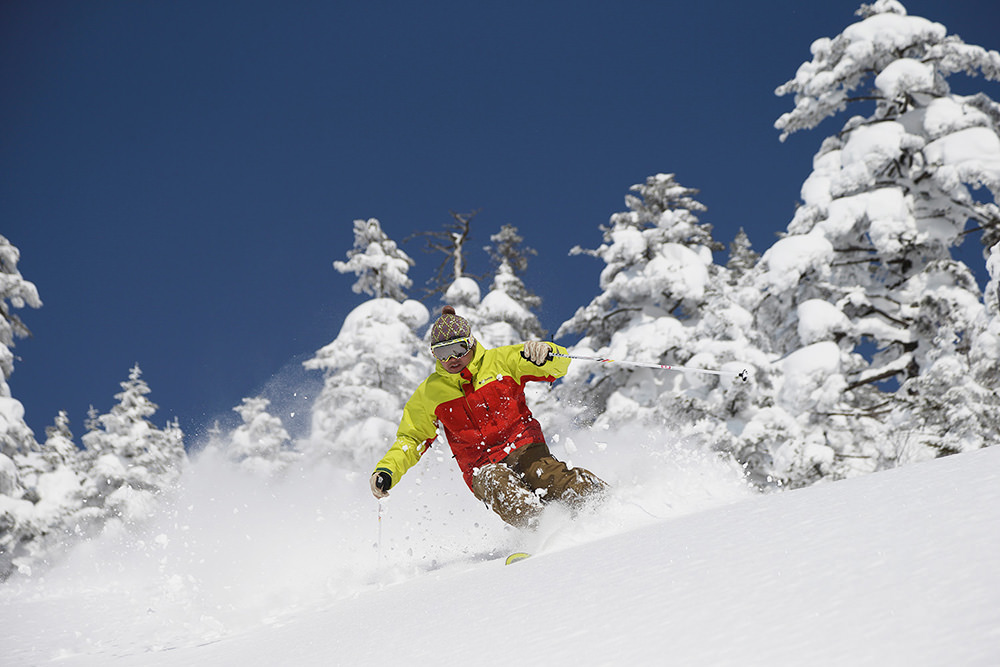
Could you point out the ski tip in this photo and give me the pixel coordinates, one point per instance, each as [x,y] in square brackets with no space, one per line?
[513,558]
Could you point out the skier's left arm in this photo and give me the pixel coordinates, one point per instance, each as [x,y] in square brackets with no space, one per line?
[417,430]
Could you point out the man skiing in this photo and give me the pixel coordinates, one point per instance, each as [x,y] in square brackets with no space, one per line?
[477,395]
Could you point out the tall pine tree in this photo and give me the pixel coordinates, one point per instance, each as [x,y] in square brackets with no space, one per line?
[16,438]
[367,370]
[506,314]
[657,278]
[380,265]
[15,292]
[260,444]
[871,315]
[132,461]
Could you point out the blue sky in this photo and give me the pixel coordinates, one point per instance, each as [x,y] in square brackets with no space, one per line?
[179,176]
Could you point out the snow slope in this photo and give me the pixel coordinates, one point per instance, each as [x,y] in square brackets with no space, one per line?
[895,568]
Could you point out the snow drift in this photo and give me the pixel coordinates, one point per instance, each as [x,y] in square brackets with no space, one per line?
[891,568]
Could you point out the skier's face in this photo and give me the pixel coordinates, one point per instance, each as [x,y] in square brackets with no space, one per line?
[458,364]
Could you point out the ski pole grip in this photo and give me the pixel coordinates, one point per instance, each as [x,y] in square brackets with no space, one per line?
[548,358]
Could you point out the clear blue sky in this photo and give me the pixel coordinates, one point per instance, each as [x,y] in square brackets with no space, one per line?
[179,176]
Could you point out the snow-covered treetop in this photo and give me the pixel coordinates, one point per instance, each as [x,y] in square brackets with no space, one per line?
[897,52]
[505,315]
[59,445]
[897,182]
[257,444]
[464,293]
[666,211]
[375,343]
[742,256]
[379,264]
[657,255]
[507,248]
[133,397]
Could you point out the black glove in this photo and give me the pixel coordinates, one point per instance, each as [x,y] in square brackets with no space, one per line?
[380,483]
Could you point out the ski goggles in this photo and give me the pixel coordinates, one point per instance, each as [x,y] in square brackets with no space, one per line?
[458,347]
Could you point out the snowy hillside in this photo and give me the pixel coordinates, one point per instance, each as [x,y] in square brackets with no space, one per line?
[894,568]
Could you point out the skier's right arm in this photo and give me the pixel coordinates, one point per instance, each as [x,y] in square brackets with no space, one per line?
[417,430]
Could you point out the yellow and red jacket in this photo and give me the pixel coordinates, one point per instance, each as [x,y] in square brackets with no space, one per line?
[482,410]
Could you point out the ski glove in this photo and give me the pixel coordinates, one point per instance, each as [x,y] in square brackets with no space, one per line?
[380,481]
[537,352]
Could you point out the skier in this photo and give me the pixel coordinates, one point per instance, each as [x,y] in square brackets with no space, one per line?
[477,395]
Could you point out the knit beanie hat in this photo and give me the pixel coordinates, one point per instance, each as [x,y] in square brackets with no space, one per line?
[449,327]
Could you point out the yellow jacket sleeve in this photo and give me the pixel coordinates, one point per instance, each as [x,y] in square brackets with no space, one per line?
[416,431]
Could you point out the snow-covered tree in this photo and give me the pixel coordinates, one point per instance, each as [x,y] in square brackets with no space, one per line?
[16,438]
[656,258]
[380,265]
[57,452]
[15,292]
[53,495]
[131,460]
[260,444]
[862,296]
[368,369]
[505,316]
[954,403]
[508,247]
[742,256]
[59,447]
[985,349]
[658,276]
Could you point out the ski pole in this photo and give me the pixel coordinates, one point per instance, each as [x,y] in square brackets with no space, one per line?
[379,534]
[743,374]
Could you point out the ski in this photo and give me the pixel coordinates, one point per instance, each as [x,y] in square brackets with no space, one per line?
[515,557]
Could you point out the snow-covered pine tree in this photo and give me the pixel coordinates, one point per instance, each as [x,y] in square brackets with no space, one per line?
[260,444]
[59,447]
[16,438]
[656,256]
[131,460]
[380,265]
[953,405]
[742,256]
[367,369]
[57,453]
[52,497]
[863,294]
[658,276]
[15,292]
[985,349]
[505,315]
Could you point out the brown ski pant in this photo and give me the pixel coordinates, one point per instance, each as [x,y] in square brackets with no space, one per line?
[518,487]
